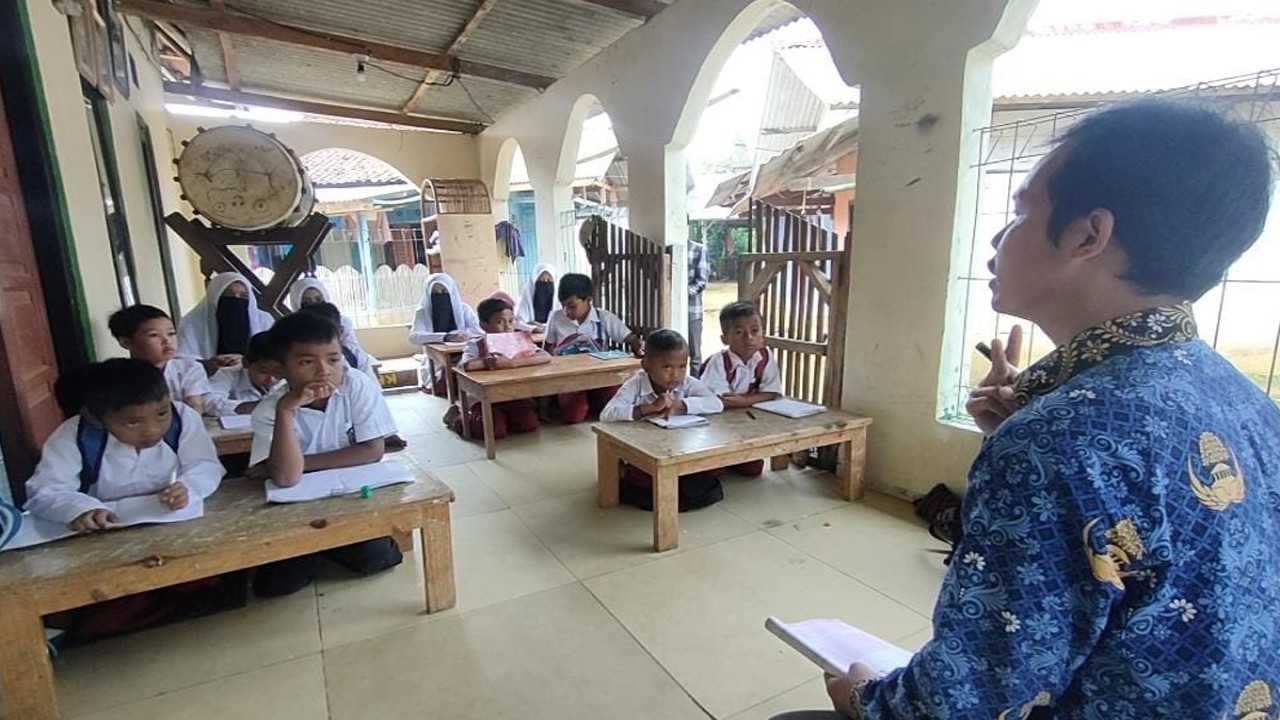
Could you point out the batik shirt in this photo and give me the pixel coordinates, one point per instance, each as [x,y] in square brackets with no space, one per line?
[1121,550]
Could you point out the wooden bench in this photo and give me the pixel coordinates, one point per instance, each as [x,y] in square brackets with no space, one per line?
[570,373]
[732,437]
[229,442]
[239,530]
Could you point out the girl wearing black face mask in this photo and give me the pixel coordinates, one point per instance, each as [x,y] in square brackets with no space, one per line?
[538,301]
[219,327]
[442,317]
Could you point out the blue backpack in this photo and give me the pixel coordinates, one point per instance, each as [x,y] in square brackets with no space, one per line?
[91,441]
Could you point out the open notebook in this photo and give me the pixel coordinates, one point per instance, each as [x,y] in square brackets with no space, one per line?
[679,421]
[143,510]
[834,645]
[790,408]
[342,481]
[236,422]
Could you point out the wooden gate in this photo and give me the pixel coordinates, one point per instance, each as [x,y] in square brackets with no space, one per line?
[631,273]
[796,273]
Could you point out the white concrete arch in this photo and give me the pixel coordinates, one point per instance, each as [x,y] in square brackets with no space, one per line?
[500,181]
[568,159]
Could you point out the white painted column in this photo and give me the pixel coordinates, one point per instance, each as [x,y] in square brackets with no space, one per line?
[656,192]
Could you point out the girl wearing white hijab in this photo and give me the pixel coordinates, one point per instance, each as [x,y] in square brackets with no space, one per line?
[442,315]
[307,291]
[538,301]
[220,325]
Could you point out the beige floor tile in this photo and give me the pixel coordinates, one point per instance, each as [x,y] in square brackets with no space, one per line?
[292,690]
[495,559]
[439,449]
[591,541]
[780,497]
[701,614]
[547,470]
[472,496]
[891,554]
[810,695]
[556,655]
[916,641]
[135,667]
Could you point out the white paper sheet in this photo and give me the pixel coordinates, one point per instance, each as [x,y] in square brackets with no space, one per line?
[834,645]
[236,422]
[342,481]
[676,422]
[790,408]
[143,510]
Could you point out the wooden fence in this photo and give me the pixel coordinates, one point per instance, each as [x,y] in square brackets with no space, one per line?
[632,274]
[796,272]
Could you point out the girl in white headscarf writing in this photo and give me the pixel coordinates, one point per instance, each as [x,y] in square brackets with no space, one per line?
[538,300]
[218,328]
[442,316]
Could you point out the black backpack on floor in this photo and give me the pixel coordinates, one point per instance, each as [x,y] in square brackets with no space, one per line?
[696,491]
[941,509]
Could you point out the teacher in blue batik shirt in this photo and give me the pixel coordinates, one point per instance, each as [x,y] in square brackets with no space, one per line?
[1121,549]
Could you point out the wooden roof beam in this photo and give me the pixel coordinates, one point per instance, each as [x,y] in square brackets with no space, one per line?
[316,108]
[643,9]
[239,23]
[451,53]
[229,61]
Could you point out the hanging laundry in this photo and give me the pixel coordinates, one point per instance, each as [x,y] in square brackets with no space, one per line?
[509,238]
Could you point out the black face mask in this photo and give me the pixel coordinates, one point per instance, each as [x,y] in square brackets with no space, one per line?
[442,313]
[543,294]
[233,325]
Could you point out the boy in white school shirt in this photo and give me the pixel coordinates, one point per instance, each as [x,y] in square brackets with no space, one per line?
[663,386]
[139,447]
[148,334]
[578,323]
[323,417]
[745,372]
[238,390]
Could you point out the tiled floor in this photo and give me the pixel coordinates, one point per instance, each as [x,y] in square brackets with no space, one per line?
[563,611]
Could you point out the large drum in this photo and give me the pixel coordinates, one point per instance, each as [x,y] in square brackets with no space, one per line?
[244,179]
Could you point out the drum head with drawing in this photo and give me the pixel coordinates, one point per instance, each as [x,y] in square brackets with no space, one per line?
[240,178]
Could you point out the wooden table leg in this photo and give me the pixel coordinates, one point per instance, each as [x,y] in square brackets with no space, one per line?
[26,676]
[779,462]
[431,374]
[464,405]
[607,473]
[403,538]
[666,509]
[486,409]
[437,558]
[851,473]
[450,383]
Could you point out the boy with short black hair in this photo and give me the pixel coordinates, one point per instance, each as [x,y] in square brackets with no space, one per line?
[745,372]
[518,416]
[148,334]
[323,417]
[578,323]
[128,439]
[663,386]
[237,390]
[351,350]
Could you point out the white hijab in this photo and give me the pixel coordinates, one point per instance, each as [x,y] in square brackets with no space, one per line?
[524,313]
[422,320]
[198,329]
[301,286]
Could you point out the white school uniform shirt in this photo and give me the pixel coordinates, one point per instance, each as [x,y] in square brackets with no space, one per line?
[229,387]
[356,413]
[744,373]
[601,326]
[185,378]
[464,316]
[638,390]
[53,492]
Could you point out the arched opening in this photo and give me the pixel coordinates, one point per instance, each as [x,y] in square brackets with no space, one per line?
[1037,96]
[513,202]
[594,171]
[769,120]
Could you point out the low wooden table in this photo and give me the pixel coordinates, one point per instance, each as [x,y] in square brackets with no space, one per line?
[229,442]
[239,530]
[731,438]
[569,373]
[444,355]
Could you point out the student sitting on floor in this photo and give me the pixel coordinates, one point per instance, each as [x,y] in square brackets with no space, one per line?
[237,390]
[323,417]
[577,326]
[148,334]
[310,291]
[538,301]
[745,372]
[128,439]
[518,416]
[442,317]
[663,386]
[218,328]
[355,355]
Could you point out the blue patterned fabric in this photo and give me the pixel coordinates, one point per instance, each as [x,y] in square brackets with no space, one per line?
[1121,550]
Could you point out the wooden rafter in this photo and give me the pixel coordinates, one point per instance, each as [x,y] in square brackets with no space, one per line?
[316,108]
[229,61]
[239,23]
[451,52]
[643,9]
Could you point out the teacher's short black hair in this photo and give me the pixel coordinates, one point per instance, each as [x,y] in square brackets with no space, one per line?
[575,285]
[1189,188]
[300,328]
[664,341]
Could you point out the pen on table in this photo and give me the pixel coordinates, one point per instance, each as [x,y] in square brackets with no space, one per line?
[751,415]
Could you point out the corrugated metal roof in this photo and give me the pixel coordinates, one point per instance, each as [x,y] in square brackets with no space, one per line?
[420,25]
[548,37]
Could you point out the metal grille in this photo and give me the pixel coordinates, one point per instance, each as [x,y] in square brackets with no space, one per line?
[1240,317]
